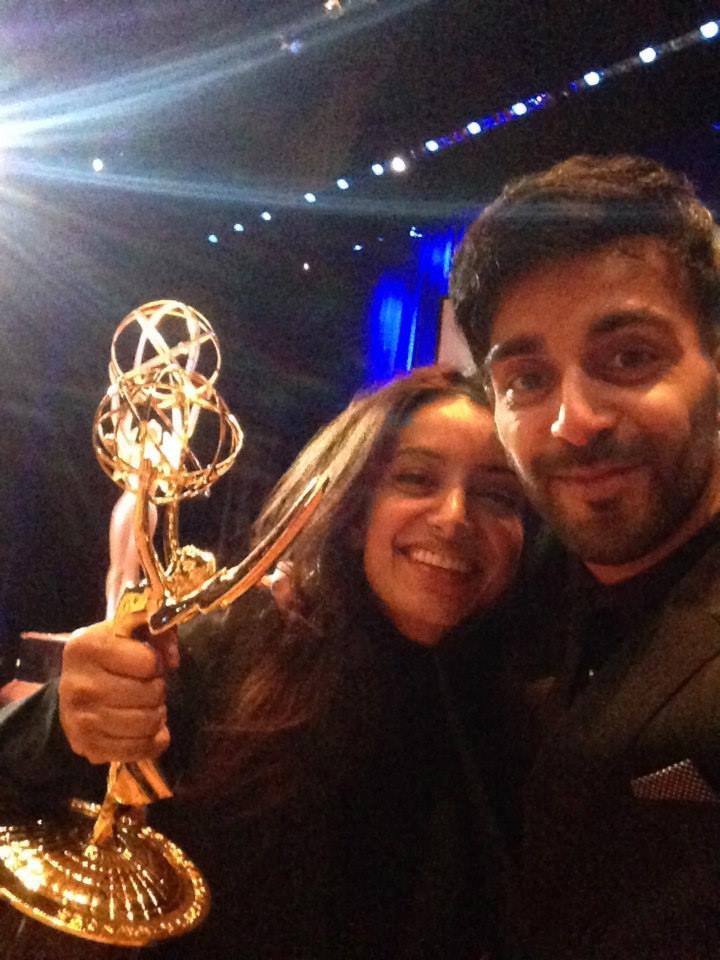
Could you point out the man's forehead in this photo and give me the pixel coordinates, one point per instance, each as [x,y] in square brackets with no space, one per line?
[596,289]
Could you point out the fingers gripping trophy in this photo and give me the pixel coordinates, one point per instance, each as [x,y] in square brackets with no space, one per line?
[164,434]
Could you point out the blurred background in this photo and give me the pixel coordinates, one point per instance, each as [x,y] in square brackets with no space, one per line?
[300,173]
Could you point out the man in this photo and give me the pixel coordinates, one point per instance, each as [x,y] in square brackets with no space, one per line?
[590,294]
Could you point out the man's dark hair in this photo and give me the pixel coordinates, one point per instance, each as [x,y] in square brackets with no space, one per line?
[578,206]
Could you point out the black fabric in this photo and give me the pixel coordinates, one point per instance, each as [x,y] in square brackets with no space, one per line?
[601,618]
[396,856]
[602,874]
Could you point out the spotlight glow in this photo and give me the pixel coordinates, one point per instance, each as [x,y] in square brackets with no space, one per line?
[357,247]
[398,165]
[378,169]
[592,79]
[98,165]
[342,183]
[473,128]
[310,198]
[648,54]
[709,30]
[432,146]
[213,238]
[519,109]
[266,216]
[306,266]
[238,228]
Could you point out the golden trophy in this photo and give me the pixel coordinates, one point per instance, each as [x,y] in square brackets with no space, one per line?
[163,434]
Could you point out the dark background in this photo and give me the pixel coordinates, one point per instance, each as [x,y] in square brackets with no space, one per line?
[204,118]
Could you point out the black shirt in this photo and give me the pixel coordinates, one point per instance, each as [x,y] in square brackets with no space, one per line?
[602,618]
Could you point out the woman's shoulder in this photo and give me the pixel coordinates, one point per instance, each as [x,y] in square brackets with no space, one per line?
[215,635]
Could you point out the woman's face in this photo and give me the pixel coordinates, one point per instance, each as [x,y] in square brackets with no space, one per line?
[444,529]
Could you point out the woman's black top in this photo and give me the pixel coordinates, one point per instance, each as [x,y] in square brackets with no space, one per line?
[386,849]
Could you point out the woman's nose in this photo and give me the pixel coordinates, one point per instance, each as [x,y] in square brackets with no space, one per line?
[450,511]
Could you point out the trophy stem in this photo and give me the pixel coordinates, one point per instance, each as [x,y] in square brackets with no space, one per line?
[143,539]
[171,545]
[105,822]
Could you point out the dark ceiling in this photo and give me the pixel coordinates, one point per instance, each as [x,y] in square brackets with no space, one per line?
[203,92]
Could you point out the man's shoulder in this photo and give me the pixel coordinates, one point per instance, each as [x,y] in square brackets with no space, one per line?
[700,580]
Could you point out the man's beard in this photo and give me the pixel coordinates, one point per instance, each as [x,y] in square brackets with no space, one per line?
[620,530]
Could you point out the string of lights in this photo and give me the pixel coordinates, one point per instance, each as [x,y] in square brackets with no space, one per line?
[402,163]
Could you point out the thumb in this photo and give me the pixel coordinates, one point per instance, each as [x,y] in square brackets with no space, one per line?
[166,645]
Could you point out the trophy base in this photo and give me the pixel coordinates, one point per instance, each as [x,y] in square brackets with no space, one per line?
[23,939]
[133,890]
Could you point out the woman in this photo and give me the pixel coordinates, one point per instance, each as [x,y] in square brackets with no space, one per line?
[330,797]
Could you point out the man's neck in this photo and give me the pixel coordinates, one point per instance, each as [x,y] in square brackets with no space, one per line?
[707,507]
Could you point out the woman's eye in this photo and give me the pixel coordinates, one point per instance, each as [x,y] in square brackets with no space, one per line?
[414,479]
[500,498]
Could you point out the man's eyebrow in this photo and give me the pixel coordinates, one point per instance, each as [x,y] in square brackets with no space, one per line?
[522,346]
[629,318]
[514,347]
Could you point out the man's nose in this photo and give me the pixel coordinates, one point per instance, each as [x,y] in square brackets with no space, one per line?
[584,410]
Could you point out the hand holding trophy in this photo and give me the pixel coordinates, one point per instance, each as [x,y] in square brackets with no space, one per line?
[163,434]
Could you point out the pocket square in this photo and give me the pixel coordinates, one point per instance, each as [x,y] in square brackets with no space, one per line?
[680,781]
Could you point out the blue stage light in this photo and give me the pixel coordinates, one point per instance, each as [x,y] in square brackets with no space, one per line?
[310,198]
[519,109]
[592,79]
[432,146]
[473,128]
[342,183]
[357,247]
[213,238]
[238,228]
[266,215]
[378,169]
[98,165]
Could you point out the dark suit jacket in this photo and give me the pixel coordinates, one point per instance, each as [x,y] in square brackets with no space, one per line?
[605,873]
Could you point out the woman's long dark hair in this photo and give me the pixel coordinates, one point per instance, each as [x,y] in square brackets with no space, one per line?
[289,666]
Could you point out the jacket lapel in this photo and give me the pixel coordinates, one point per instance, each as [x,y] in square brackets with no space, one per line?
[591,738]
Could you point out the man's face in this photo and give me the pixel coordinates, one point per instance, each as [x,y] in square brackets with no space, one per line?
[605,398]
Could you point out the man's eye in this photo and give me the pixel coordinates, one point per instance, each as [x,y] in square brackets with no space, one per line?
[525,385]
[632,358]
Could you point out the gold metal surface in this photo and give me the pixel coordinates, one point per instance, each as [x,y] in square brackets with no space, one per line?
[114,880]
[138,889]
